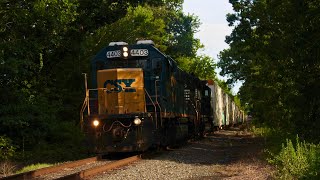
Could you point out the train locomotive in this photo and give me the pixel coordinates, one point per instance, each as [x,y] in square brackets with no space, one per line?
[139,98]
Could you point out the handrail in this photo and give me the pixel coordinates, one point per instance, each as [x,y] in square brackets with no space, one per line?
[155,108]
[197,107]
[85,103]
[86,100]
[156,90]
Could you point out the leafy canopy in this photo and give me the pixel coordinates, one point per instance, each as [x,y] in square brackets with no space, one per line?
[274,49]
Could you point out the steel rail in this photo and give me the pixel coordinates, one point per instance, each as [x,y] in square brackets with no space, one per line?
[48,170]
[99,169]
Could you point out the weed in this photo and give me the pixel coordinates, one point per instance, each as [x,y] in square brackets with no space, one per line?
[7,168]
[33,167]
[297,161]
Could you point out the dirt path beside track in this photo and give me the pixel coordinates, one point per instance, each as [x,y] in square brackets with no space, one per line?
[238,154]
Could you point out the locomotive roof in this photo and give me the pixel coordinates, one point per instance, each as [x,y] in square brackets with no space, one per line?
[153,52]
[102,54]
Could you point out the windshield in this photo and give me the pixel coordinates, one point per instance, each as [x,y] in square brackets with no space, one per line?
[121,63]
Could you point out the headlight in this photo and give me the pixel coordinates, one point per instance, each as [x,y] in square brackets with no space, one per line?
[95,123]
[137,121]
[125,54]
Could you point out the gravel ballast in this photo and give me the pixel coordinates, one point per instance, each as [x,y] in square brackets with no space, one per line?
[227,154]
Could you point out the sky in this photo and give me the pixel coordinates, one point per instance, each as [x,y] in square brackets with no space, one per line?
[214,26]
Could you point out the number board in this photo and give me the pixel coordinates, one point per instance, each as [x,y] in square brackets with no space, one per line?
[113,54]
[139,52]
[133,52]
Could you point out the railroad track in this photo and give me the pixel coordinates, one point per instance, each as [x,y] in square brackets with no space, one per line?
[102,166]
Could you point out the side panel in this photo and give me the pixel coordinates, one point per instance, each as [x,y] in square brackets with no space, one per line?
[233,108]
[217,104]
[226,105]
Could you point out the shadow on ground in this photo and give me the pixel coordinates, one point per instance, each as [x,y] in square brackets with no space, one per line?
[222,147]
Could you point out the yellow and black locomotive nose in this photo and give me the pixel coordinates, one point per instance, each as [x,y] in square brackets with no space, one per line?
[121,91]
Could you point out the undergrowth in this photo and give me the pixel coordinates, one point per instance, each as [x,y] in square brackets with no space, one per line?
[298,160]
[293,158]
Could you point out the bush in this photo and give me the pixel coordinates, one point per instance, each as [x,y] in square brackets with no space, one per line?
[7,150]
[64,141]
[299,161]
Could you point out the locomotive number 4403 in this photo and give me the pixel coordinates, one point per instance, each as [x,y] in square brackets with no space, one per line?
[139,52]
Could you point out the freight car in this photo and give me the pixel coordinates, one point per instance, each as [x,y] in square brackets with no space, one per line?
[225,112]
[139,98]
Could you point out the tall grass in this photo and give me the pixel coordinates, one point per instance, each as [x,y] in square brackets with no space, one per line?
[33,167]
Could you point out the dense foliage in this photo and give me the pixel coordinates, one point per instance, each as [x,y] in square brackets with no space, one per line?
[46,45]
[6,149]
[293,158]
[275,49]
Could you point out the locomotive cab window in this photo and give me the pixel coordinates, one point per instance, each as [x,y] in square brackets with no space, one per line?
[131,63]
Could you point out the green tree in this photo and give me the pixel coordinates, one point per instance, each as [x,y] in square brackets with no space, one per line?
[33,36]
[181,29]
[274,48]
[139,23]
[201,66]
